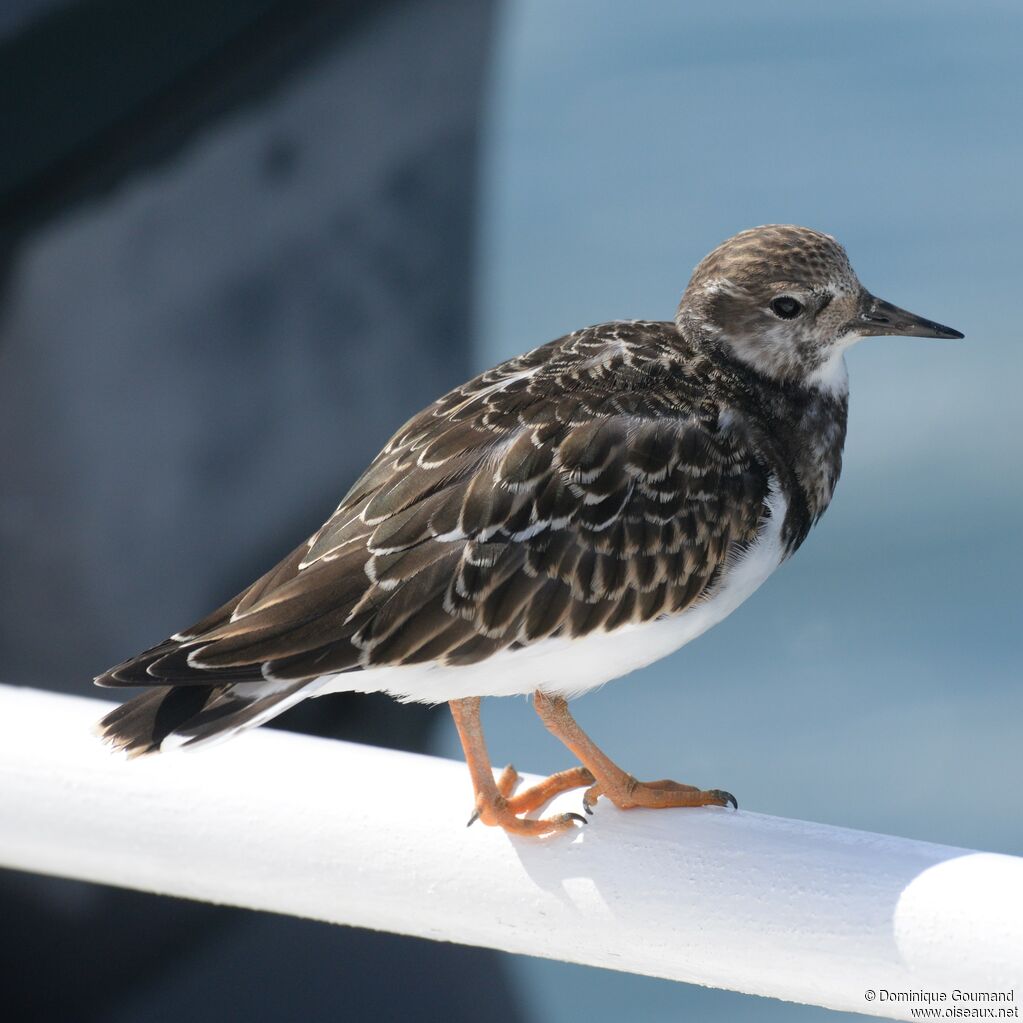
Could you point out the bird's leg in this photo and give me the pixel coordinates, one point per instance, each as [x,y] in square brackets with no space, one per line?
[494,804]
[621,788]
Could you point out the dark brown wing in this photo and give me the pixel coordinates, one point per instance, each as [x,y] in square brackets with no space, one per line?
[582,487]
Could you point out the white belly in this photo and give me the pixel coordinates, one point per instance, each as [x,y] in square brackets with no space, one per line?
[570,667]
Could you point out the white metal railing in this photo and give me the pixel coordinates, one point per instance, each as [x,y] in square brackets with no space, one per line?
[357,835]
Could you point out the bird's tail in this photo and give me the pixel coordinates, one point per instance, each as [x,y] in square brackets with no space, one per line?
[167,717]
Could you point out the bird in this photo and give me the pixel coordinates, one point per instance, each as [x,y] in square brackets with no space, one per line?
[556,522]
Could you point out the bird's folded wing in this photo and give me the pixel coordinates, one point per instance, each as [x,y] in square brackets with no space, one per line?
[497,517]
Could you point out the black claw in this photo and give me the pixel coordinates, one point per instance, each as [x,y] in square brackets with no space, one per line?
[576,817]
[588,808]
[473,819]
[729,798]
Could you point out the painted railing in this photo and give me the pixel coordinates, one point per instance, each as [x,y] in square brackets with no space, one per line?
[357,835]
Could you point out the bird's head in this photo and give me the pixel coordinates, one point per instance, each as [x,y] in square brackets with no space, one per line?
[785,300]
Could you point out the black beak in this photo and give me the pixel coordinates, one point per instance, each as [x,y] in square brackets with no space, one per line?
[880,317]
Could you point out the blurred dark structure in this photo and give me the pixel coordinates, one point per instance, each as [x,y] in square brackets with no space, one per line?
[235,254]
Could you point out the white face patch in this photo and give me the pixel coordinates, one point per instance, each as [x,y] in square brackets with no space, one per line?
[832,376]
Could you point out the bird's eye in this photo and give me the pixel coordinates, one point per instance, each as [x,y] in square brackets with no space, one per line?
[785,307]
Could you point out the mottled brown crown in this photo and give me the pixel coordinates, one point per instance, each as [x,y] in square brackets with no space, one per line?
[774,253]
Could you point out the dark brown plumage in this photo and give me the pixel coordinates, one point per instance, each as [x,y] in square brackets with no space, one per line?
[596,490]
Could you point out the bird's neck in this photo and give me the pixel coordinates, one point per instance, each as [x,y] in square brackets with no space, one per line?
[800,428]
[775,359]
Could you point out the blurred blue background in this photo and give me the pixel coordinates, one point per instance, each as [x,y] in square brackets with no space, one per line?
[212,244]
[874,681]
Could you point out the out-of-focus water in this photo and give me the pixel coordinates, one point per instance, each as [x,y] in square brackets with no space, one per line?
[874,680]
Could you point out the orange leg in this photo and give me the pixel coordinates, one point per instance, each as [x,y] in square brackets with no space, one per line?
[621,788]
[543,791]
[494,803]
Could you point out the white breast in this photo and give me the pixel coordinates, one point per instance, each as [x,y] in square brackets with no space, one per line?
[570,667]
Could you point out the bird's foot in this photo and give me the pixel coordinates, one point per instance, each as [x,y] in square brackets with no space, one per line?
[609,779]
[627,793]
[504,809]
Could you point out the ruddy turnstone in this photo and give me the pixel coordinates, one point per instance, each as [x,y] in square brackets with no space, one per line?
[554,523]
